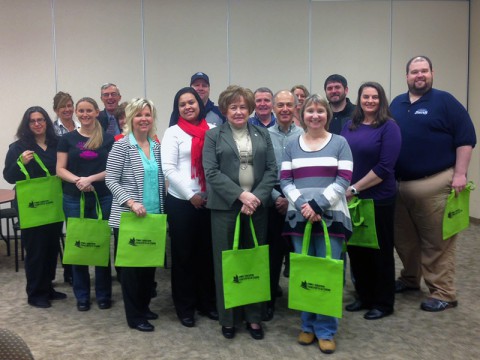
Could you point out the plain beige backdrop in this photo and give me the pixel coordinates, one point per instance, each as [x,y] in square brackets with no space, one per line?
[150,48]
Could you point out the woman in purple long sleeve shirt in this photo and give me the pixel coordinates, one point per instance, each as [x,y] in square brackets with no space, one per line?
[374,138]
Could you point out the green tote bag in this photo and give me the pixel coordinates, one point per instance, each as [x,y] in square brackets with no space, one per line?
[88,240]
[246,272]
[141,240]
[316,284]
[40,200]
[457,212]
[364,232]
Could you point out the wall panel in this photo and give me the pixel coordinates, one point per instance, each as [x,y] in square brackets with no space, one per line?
[26,63]
[269,43]
[351,38]
[438,29]
[183,37]
[99,42]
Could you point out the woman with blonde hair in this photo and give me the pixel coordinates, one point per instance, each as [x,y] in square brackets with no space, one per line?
[81,163]
[135,177]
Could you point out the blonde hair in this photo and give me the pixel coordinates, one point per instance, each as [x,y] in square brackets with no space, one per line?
[96,140]
[135,106]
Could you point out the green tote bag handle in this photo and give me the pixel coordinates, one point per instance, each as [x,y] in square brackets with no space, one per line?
[236,237]
[469,187]
[39,162]
[353,205]
[306,239]
[82,206]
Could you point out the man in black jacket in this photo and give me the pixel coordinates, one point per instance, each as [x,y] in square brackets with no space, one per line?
[336,90]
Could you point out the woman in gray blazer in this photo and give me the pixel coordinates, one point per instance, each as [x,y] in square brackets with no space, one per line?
[240,170]
[134,159]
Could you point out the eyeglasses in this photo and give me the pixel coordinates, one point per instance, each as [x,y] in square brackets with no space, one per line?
[37,121]
[112,94]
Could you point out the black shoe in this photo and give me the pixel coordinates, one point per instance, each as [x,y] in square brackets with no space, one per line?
[268,314]
[436,305]
[83,305]
[144,326]
[40,303]
[188,322]
[150,315]
[212,314]
[56,295]
[376,314]
[401,287]
[228,332]
[257,334]
[357,305]
[105,304]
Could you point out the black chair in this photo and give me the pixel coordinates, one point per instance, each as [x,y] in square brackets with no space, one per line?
[11,216]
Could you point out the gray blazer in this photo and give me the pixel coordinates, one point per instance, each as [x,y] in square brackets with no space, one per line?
[125,175]
[221,162]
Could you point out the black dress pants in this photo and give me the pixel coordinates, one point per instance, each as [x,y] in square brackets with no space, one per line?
[42,244]
[374,269]
[278,249]
[137,283]
[193,283]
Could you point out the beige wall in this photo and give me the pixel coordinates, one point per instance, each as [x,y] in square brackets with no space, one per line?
[152,47]
[474,101]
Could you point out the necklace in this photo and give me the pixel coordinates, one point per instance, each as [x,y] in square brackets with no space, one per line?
[244,147]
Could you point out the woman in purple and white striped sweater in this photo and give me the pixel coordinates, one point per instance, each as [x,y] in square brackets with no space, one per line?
[316,171]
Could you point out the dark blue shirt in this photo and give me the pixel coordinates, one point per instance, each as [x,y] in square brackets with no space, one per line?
[432,128]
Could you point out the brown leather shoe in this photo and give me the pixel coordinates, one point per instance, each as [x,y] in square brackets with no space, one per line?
[327,346]
[306,338]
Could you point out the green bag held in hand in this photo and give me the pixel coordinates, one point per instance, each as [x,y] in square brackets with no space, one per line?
[316,284]
[364,232]
[141,240]
[40,200]
[88,240]
[457,212]
[246,272]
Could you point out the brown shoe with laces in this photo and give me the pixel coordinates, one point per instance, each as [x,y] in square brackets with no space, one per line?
[306,338]
[327,346]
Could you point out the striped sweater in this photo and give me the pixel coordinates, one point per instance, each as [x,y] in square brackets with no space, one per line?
[321,179]
[125,175]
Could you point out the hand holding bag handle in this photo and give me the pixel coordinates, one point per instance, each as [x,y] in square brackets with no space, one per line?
[236,236]
[23,169]
[307,235]
[354,207]
[97,206]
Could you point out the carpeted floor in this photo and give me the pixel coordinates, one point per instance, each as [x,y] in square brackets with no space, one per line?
[61,332]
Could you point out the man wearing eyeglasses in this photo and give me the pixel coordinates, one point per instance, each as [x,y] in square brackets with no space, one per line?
[110,95]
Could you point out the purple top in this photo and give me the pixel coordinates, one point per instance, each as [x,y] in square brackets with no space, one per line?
[375,149]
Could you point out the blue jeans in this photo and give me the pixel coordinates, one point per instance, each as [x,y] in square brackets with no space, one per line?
[324,327]
[81,276]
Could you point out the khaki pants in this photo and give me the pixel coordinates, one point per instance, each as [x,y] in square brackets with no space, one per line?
[418,235]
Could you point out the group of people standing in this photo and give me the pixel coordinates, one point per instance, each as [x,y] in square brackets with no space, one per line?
[299,159]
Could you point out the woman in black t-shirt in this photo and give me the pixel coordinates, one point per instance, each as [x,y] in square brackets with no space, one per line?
[81,163]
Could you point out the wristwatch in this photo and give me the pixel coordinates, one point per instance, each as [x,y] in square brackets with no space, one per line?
[354,191]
